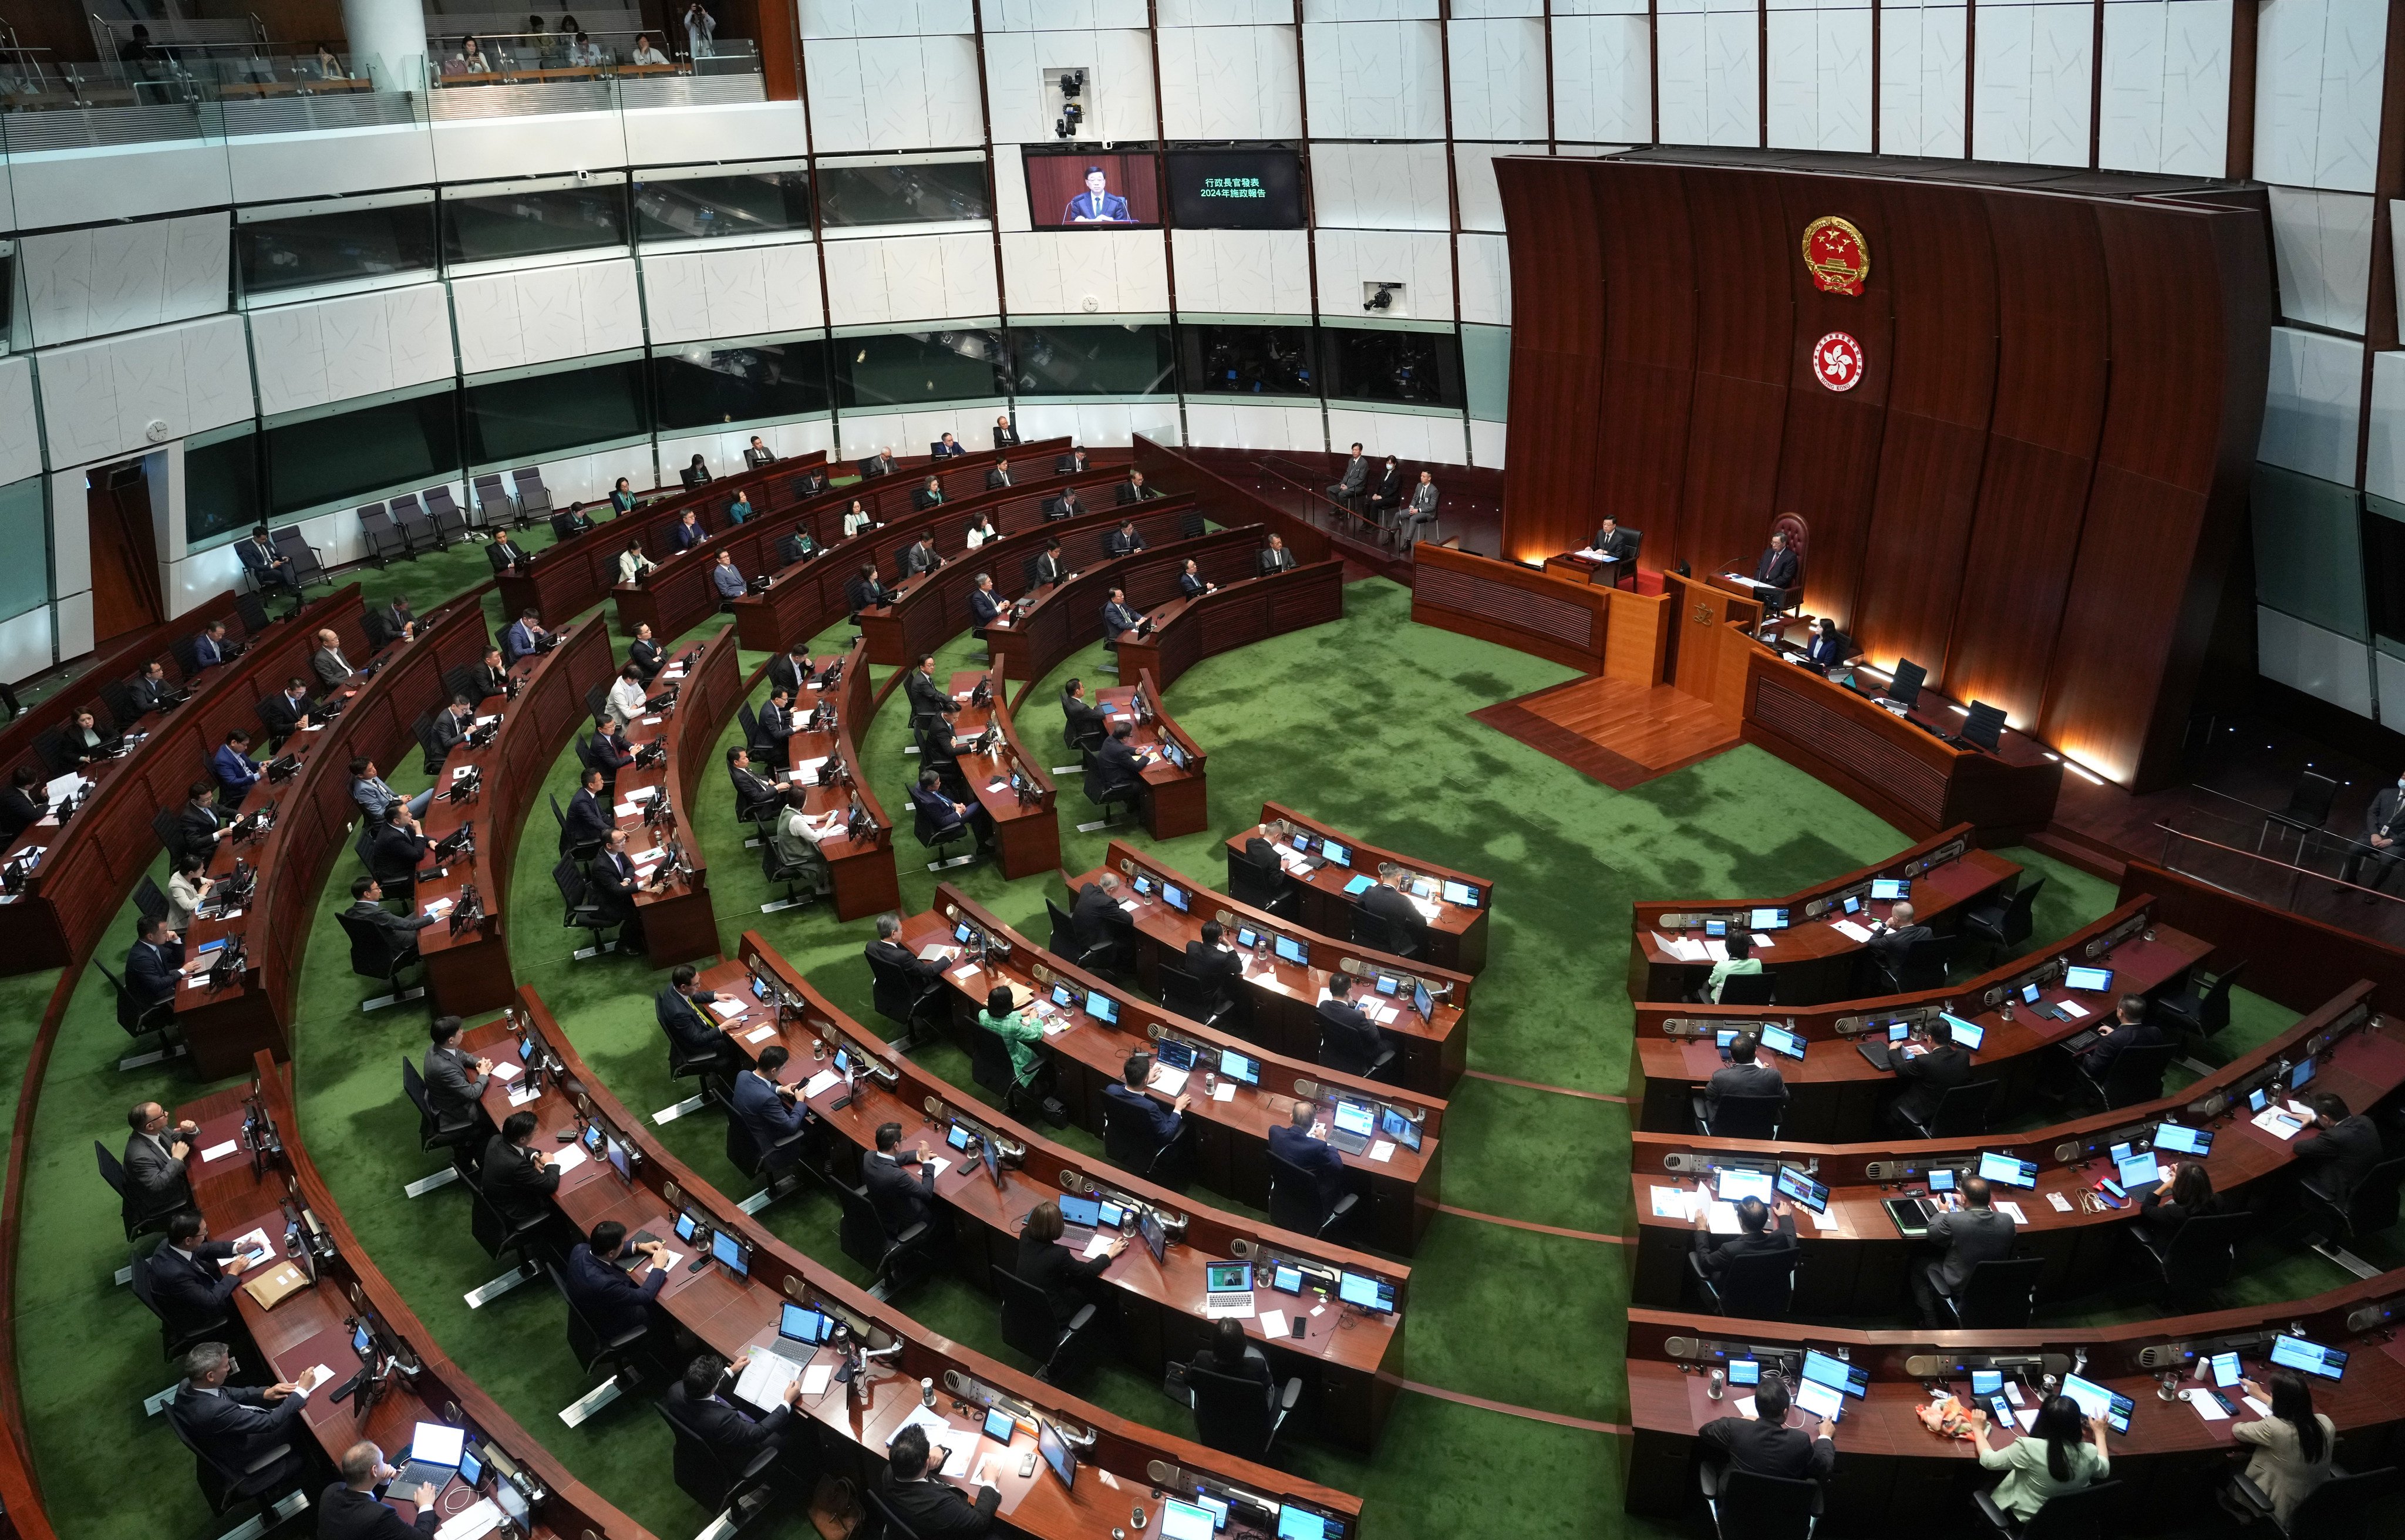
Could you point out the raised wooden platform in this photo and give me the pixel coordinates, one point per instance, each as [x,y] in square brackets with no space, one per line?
[1621,733]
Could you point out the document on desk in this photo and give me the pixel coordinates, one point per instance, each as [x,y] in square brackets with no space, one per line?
[2061,1204]
[939,953]
[761,1034]
[1824,1221]
[1716,950]
[2025,1416]
[2013,1210]
[1721,1218]
[642,793]
[815,1378]
[729,1008]
[1670,1203]
[505,1071]
[568,1160]
[807,772]
[817,1083]
[2204,1406]
[1762,943]
[2279,1123]
[1849,929]
[2071,1008]
[939,1164]
[940,1435]
[1428,911]
[1383,1150]
[1273,1324]
[218,1152]
[521,1095]
[1224,1091]
[1679,948]
[2260,1407]
[1098,1245]
[472,1522]
[765,1380]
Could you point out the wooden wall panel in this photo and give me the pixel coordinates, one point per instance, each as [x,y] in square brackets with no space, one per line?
[1638,436]
[1557,376]
[1744,316]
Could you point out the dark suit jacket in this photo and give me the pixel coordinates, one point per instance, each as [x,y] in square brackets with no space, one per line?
[1620,545]
[927,697]
[1119,761]
[399,931]
[148,695]
[997,478]
[2385,816]
[903,958]
[1326,1166]
[1274,562]
[1065,506]
[876,465]
[1131,493]
[1191,584]
[395,853]
[1890,947]
[1164,1122]
[765,1113]
[1970,1236]
[233,1425]
[1768,1449]
[347,1515]
[453,1086]
[1060,1273]
[1349,1041]
[20,812]
[1929,1077]
[488,681]
[199,826]
[586,820]
[1391,906]
[1095,915]
[512,1181]
[610,1297]
[936,1510]
[863,593]
[613,887]
[984,607]
[1123,543]
[782,670]
[155,1180]
[150,971]
[1068,465]
[1214,967]
[683,1022]
[608,753]
[190,1294]
[1004,438]
[450,730]
[2338,1157]
[926,497]
[647,656]
[1755,1079]
[2099,1059]
[1119,617]
[1718,1251]
[280,714]
[901,1199]
[1085,719]
[734,1433]
[1777,569]
[1389,486]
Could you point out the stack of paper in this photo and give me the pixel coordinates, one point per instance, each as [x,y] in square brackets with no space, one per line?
[1383,1150]
[765,1380]
[2278,1123]
[2013,1211]
[2204,1406]
[2061,1204]
[218,1152]
[761,1034]
[473,1522]
[1723,1218]
[729,1008]
[1670,1202]
[2071,1008]
[1680,947]
[570,1158]
[1849,929]
[505,1071]
[807,772]
[818,1082]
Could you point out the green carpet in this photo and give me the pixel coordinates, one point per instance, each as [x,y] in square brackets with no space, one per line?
[1307,720]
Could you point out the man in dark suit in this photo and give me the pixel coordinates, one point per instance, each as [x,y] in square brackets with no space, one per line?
[198,823]
[452,725]
[646,655]
[1892,938]
[350,1510]
[1419,511]
[887,949]
[1776,569]
[1939,1066]
[155,1177]
[1087,723]
[1755,1236]
[947,448]
[2384,824]
[1387,900]
[1972,1234]
[516,1178]
[154,963]
[259,557]
[1353,481]
[1292,1142]
[2127,1030]
[1132,1101]
[192,1278]
[927,697]
[678,1009]
[1051,567]
[456,1079]
[1212,964]
[1133,490]
[754,790]
[399,931]
[1349,1042]
[770,1113]
[23,802]
[608,751]
[999,476]
[286,712]
[1274,558]
[944,816]
[211,648]
[878,463]
[808,484]
[1124,540]
[1118,615]
[506,554]
[1068,505]
[866,590]
[791,668]
[1121,759]
[1766,1444]
[151,689]
[986,607]
[1071,464]
[901,1200]
[614,885]
[1004,436]
[2342,1149]
[777,723]
[247,1433]
[1096,915]
[920,557]
[1742,1076]
[524,638]
[928,494]
[491,675]
[588,824]
[757,453]
[934,1510]
[395,847]
[611,1300]
[1613,542]
[1386,492]
[703,1400]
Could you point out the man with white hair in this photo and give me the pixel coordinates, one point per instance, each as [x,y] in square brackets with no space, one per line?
[246,1433]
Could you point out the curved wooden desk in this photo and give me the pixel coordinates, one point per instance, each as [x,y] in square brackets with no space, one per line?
[728,1314]
[244,1192]
[861,868]
[1186,631]
[1176,796]
[93,859]
[1456,935]
[1835,1095]
[1858,1264]
[1064,619]
[114,660]
[1026,830]
[653,803]
[1232,1150]
[1812,959]
[1282,999]
[1343,1350]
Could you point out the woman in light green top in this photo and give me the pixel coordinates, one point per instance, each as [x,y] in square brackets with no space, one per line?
[2048,1461]
[1740,960]
[1022,1035]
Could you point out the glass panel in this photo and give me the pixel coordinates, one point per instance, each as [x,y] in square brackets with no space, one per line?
[518,420]
[325,249]
[530,224]
[1091,360]
[1418,368]
[1486,365]
[2309,551]
[901,195]
[707,207]
[709,387]
[393,443]
[222,489]
[913,368]
[24,533]
[1248,360]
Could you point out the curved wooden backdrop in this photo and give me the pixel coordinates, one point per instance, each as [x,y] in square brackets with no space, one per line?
[2034,491]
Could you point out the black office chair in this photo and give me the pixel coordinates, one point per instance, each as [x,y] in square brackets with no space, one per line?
[139,1219]
[1962,1111]
[1234,1416]
[460,1143]
[1061,1352]
[895,1526]
[580,852]
[2341,1502]
[2308,810]
[1760,1287]
[524,1241]
[2202,1007]
[1104,957]
[1263,885]
[621,1354]
[1380,1068]
[1748,1503]
[699,1473]
[1923,966]
[374,955]
[1296,1201]
[1739,1116]
[2004,921]
[2080,1515]
[2369,1209]
[2200,1255]
[265,1480]
[143,1021]
[170,832]
[1182,995]
[1750,988]
[2136,1076]
[777,868]
[934,836]
[385,539]
[147,900]
[1373,932]
[578,912]
[895,1260]
[174,1342]
[1999,1296]
[1108,794]
[1127,1142]
[908,1003]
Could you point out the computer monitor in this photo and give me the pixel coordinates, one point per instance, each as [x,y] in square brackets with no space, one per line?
[362,1340]
[1217,1508]
[1890,890]
[1970,1034]
[1172,753]
[1177,897]
[2300,1074]
[1745,1371]
[1338,855]
[1735,1183]
[1769,919]
[999,1424]
[2004,1169]
[1387,984]
[1716,928]
[1404,1131]
[1422,1001]
[759,988]
[1086,1211]
[1240,1068]
[1064,996]
[512,1503]
[2030,993]
[1296,1523]
[965,934]
[1175,1054]
[727,1250]
[2139,1172]
[2295,1352]
[1985,725]
[619,1162]
[958,1136]
[1293,951]
[1355,1117]
[1898,1031]
[1113,1217]
[685,1228]
[1375,1294]
[525,1050]
[1227,1277]
[2258,1098]
[1101,1007]
[1247,938]
[1181,1520]
[1461,893]
[2096,981]
[1778,1039]
[1058,1458]
[1156,1235]
[2176,1140]
[842,1062]
[1803,1189]
[992,1154]
[1905,688]
[1286,1278]
[1723,1037]
[1143,886]
[437,1445]
[1302,842]
[593,1137]
[1819,1368]
[1851,903]
[799,1324]
[2096,1401]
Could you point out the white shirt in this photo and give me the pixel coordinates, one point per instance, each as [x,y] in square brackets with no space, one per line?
[627,701]
[976,536]
[853,523]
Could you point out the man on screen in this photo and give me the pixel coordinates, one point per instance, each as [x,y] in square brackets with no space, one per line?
[1095,206]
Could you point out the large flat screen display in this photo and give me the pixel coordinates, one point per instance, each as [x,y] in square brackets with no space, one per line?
[1235,189]
[1088,190]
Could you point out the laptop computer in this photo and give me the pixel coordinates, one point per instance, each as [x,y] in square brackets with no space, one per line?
[1351,1126]
[1081,1217]
[2140,1174]
[434,1453]
[1227,1290]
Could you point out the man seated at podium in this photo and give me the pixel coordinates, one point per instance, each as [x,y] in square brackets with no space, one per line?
[1777,567]
[1613,543]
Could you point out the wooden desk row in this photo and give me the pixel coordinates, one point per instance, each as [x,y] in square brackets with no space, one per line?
[1232,1148]
[1013,786]
[119,659]
[1249,609]
[729,1313]
[1858,1263]
[678,924]
[1814,961]
[1343,1350]
[1836,1094]
[315,820]
[1455,938]
[1613,631]
[859,856]
[92,861]
[1176,792]
[1280,999]
[277,1186]
[1061,620]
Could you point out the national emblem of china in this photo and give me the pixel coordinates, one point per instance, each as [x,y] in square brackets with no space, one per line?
[1836,254]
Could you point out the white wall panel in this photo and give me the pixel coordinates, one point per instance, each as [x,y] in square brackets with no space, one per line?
[766,130]
[123,182]
[2322,663]
[1380,186]
[2384,456]
[73,623]
[98,398]
[1375,79]
[1402,435]
[2323,244]
[894,93]
[750,291]
[1224,13]
[1486,278]
[2310,404]
[2389,680]
[1711,84]
[1102,423]
[71,541]
[1062,273]
[26,644]
[1498,78]
[910,278]
[884,18]
[2317,91]
[1422,262]
[2031,101]
[20,439]
[1370,10]
[1039,15]
[508,320]
[111,278]
[1603,79]
[1486,443]
[1119,80]
[1481,206]
[1229,82]
[1922,79]
[1820,79]
[2166,87]
[466,150]
[1244,272]
[269,166]
[1216,422]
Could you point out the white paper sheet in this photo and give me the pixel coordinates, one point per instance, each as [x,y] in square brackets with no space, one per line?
[570,1158]
[765,1380]
[521,1095]
[729,1008]
[1851,931]
[2204,1406]
[506,1071]
[2012,1211]
[2061,1204]
[2260,1408]
[1824,1222]
[818,1082]
[1273,1324]
[1762,942]
[2072,1008]
[2272,1121]
[815,1378]
[2025,1416]
[1097,1246]
[1721,1218]
[1383,1150]
[761,1034]
[1225,1091]
[218,1152]
[1669,1203]
[472,1522]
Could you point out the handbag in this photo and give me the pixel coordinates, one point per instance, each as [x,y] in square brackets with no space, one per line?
[835,1508]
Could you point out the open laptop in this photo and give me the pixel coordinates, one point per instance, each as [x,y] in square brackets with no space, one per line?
[1081,1217]
[434,1453]
[1351,1126]
[1227,1290]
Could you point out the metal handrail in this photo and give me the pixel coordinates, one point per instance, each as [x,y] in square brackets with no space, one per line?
[2271,869]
